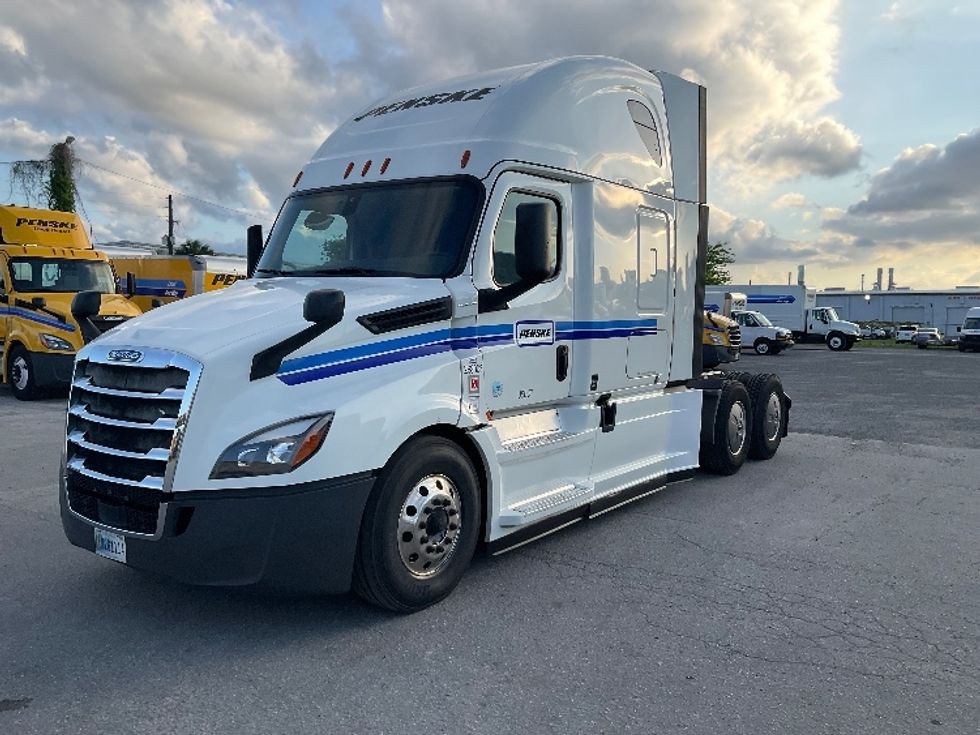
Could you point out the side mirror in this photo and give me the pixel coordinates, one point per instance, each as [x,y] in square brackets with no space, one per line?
[38,302]
[253,248]
[130,284]
[531,236]
[86,304]
[324,306]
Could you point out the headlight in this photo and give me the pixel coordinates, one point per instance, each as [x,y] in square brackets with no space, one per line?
[56,343]
[715,339]
[275,450]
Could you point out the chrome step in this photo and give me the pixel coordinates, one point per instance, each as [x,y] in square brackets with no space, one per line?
[543,505]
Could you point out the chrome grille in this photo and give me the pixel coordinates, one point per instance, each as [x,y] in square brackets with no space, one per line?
[125,423]
[734,334]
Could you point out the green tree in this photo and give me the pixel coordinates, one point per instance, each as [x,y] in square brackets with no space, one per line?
[193,247]
[61,176]
[720,257]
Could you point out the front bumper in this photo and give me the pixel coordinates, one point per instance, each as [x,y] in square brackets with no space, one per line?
[299,538]
[52,369]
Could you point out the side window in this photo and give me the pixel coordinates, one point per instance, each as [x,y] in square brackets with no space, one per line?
[653,261]
[504,267]
[646,126]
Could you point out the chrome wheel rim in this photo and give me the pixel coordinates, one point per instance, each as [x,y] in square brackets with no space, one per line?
[19,374]
[429,526]
[762,348]
[736,428]
[774,414]
[836,342]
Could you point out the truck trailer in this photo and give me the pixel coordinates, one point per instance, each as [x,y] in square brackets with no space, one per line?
[795,308]
[477,319]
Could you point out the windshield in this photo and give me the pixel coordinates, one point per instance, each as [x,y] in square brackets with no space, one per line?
[972,323]
[762,319]
[61,275]
[831,313]
[420,229]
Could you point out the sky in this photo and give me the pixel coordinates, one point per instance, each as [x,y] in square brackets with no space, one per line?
[842,135]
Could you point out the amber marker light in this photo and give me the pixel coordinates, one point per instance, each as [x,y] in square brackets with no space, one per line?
[465,159]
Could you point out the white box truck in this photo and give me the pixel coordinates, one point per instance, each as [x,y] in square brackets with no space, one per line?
[969,336]
[477,319]
[795,308]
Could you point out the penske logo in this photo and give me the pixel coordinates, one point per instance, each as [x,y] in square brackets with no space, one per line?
[125,355]
[50,224]
[529,334]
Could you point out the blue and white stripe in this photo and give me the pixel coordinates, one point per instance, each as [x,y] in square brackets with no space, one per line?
[35,317]
[390,351]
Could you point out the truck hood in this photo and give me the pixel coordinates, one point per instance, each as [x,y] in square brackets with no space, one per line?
[256,313]
[846,328]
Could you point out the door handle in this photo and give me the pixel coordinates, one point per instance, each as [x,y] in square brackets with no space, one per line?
[561,363]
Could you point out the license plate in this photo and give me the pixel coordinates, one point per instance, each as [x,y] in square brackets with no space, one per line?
[110,545]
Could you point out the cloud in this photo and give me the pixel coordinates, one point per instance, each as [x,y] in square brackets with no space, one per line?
[225,102]
[789,200]
[927,195]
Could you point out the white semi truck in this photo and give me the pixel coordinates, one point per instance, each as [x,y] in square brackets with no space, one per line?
[795,308]
[477,319]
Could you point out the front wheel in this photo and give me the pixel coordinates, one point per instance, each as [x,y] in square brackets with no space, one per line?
[836,341]
[731,433]
[420,527]
[762,346]
[20,374]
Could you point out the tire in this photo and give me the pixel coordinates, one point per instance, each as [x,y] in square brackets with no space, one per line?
[961,348]
[732,432]
[836,341]
[762,346]
[399,565]
[850,344]
[922,345]
[741,377]
[20,374]
[768,415]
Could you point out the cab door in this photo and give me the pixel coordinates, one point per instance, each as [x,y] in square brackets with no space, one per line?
[526,347]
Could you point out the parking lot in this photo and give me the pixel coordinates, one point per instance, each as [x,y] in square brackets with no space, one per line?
[833,589]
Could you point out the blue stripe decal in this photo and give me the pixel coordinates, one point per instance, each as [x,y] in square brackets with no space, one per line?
[388,352]
[32,317]
[761,298]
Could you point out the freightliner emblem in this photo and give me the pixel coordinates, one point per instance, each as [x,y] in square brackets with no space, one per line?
[125,355]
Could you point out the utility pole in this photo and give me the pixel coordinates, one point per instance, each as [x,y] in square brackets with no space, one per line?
[170,224]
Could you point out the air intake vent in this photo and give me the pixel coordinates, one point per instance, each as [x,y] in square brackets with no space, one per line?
[403,317]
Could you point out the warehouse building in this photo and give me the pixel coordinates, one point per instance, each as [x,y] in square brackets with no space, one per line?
[945,309]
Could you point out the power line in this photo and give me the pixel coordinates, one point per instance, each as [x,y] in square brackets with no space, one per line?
[243,212]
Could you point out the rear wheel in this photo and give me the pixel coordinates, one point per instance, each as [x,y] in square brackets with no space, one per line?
[420,527]
[20,374]
[731,433]
[768,415]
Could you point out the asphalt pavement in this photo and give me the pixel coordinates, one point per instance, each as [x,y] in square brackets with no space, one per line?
[833,589]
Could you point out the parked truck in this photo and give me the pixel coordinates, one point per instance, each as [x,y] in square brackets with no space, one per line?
[795,308]
[754,327]
[969,336]
[477,319]
[46,260]
[162,279]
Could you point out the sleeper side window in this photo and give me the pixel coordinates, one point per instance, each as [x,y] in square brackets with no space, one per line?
[504,266]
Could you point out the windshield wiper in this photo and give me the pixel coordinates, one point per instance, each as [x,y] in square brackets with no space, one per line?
[273,271]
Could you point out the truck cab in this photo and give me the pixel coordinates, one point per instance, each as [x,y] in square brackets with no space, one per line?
[46,260]
[762,334]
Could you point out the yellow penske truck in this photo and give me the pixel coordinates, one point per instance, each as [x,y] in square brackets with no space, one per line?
[162,279]
[57,293]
